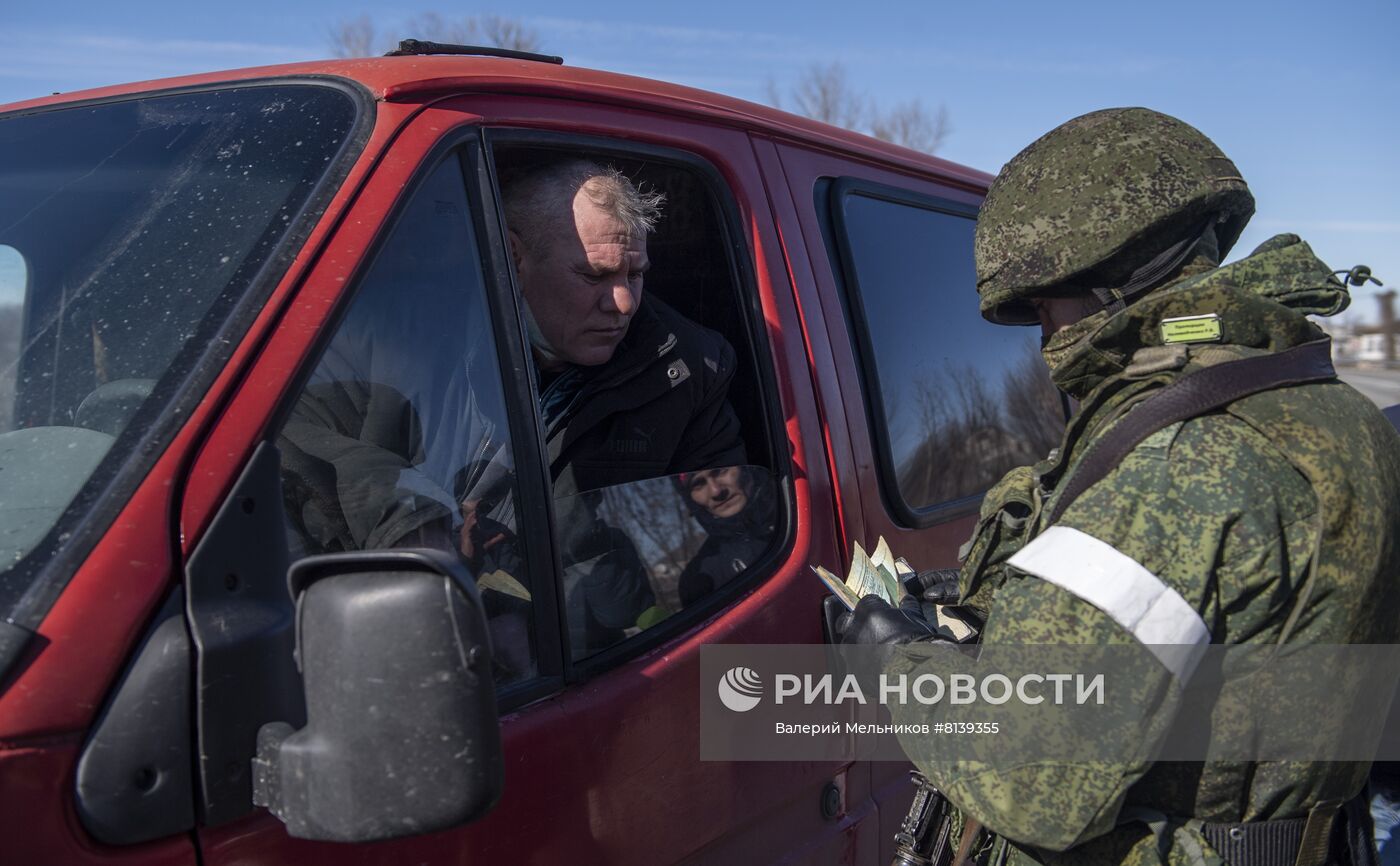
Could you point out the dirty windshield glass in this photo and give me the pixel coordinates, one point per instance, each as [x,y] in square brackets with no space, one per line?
[128,230]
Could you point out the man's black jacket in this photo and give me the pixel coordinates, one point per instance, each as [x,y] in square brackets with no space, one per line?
[658,407]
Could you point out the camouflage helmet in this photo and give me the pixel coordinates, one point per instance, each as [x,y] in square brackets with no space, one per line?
[1095,198]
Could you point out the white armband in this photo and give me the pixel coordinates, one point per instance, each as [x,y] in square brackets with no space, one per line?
[1135,598]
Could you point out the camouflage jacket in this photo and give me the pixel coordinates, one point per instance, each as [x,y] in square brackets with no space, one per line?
[1269,521]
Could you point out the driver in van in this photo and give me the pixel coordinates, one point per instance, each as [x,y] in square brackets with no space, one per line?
[629,388]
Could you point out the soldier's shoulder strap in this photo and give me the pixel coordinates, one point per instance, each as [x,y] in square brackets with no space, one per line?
[1190,396]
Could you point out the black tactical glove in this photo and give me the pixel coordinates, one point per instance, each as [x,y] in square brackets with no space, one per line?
[937,586]
[874,621]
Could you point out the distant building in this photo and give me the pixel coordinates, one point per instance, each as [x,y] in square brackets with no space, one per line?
[1365,344]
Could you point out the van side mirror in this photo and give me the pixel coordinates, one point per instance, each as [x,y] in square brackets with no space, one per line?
[402,735]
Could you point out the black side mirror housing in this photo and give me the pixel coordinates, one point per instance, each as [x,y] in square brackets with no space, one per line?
[402,735]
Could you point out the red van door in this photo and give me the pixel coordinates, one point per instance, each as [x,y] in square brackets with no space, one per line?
[944,403]
[410,313]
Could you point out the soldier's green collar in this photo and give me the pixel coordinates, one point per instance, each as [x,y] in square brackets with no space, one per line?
[1282,269]
[1260,302]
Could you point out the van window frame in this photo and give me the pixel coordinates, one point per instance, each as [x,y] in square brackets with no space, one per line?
[535,526]
[748,305]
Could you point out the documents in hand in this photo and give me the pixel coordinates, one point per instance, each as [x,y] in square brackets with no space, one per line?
[502,582]
[870,575]
[881,574]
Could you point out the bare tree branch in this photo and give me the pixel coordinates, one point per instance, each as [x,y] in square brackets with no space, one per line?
[1034,413]
[775,97]
[653,514]
[352,38]
[432,27]
[508,33]
[357,37]
[909,124]
[973,429]
[823,92]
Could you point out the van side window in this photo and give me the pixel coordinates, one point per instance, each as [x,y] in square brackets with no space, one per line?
[954,401]
[400,437]
[666,496]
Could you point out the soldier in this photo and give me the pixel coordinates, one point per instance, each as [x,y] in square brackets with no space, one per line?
[1248,494]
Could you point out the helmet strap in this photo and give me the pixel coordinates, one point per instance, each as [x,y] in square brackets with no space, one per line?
[1159,270]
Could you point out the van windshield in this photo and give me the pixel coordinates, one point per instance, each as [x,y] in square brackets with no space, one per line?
[128,232]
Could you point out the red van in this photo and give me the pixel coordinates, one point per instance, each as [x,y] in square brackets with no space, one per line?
[207,656]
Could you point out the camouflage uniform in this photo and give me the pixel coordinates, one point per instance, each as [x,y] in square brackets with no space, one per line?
[1269,521]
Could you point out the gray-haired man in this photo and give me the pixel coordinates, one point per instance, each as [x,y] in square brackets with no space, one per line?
[630,389]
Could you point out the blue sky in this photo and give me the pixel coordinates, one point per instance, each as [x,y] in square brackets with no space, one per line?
[1305,97]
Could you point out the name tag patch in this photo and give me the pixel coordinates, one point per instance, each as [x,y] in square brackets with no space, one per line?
[1191,329]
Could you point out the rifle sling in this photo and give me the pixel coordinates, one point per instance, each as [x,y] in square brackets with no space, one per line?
[1190,396]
